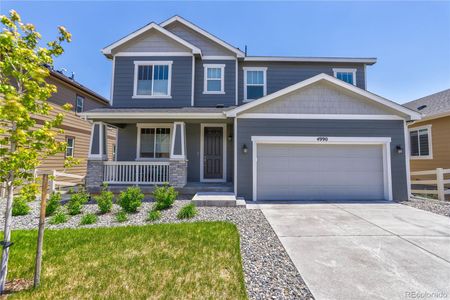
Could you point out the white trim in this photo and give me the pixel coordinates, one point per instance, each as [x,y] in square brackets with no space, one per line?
[218,57]
[100,155]
[407,155]
[222,78]
[238,52]
[107,50]
[193,81]
[413,115]
[264,70]
[384,141]
[202,150]
[236,84]
[235,156]
[111,97]
[138,63]
[153,54]
[430,141]
[183,141]
[153,115]
[369,61]
[317,116]
[345,70]
[138,138]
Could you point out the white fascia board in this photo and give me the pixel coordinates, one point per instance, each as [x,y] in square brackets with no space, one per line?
[320,140]
[107,50]
[368,61]
[412,114]
[238,52]
[150,115]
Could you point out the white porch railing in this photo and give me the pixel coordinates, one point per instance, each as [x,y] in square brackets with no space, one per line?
[135,172]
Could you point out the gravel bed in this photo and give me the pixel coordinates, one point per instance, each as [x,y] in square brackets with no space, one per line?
[432,205]
[269,272]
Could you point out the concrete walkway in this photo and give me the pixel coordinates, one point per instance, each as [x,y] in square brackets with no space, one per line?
[365,250]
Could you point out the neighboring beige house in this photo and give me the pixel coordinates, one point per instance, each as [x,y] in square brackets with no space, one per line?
[430,136]
[77,131]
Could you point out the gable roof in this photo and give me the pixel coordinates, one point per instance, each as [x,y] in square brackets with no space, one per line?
[434,106]
[203,32]
[151,26]
[397,107]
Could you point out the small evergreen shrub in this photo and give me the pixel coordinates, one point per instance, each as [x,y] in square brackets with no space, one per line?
[59,217]
[131,199]
[121,216]
[164,197]
[104,200]
[154,215]
[20,206]
[76,202]
[187,212]
[53,203]
[88,219]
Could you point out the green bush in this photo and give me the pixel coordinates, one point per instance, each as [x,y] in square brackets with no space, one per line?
[59,217]
[188,211]
[154,215]
[53,203]
[131,199]
[121,216]
[20,206]
[104,200]
[164,197]
[88,219]
[71,190]
[76,202]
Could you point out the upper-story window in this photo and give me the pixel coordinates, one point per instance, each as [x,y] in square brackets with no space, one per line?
[70,148]
[347,75]
[152,79]
[420,139]
[79,104]
[214,82]
[255,83]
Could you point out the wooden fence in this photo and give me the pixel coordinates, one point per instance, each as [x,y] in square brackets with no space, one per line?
[431,182]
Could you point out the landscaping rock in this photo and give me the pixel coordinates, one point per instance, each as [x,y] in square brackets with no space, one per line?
[432,205]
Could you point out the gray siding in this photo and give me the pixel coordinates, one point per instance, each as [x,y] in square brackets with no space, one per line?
[350,128]
[177,149]
[284,74]
[180,89]
[207,46]
[227,99]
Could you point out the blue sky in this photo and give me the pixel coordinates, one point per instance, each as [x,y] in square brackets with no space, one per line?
[410,39]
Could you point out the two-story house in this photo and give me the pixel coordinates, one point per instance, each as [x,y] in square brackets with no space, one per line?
[193,110]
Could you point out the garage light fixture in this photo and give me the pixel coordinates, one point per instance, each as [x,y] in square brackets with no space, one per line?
[399,149]
[244,149]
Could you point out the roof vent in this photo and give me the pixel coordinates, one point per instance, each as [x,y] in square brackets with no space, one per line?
[421,107]
[219,105]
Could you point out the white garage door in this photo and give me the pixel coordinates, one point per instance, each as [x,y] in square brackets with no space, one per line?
[319,172]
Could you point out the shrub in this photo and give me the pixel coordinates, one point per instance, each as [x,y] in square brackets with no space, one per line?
[164,197]
[121,216]
[188,211]
[104,200]
[88,219]
[76,202]
[53,203]
[59,217]
[154,215]
[71,190]
[20,206]
[131,199]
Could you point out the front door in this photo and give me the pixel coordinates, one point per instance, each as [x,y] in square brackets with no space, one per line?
[213,153]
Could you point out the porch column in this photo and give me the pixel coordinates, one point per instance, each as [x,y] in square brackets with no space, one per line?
[178,161]
[98,152]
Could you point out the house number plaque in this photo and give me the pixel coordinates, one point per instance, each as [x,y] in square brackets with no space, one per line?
[322,139]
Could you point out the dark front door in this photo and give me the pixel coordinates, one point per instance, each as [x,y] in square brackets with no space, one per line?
[213,153]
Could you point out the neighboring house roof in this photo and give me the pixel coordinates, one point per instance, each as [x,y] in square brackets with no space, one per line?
[397,107]
[433,106]
[77,85]
[203,32]
[365,60]
[151,26]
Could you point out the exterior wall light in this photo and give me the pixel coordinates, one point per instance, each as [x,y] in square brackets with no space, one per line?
[399,149]
[230,138]
[244,149]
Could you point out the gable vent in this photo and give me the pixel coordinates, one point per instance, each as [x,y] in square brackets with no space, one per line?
[421,107]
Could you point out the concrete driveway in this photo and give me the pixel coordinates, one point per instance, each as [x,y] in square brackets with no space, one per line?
[365,250]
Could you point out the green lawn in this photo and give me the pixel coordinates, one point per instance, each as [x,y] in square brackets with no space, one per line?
[167,261]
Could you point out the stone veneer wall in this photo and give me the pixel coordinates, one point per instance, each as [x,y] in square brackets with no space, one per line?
[178,173]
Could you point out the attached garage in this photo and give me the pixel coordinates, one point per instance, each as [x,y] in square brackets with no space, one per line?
[321,168]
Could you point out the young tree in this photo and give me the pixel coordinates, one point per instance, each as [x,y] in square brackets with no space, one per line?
[23,94]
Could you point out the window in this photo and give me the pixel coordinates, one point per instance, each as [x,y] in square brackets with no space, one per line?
[214,82]
[79,104]
[420,139]
[347,75]
[114,152]
[152,79]
[70,146]
[153,142]
[254,83]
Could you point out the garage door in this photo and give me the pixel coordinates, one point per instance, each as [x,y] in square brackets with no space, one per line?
[319,172]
